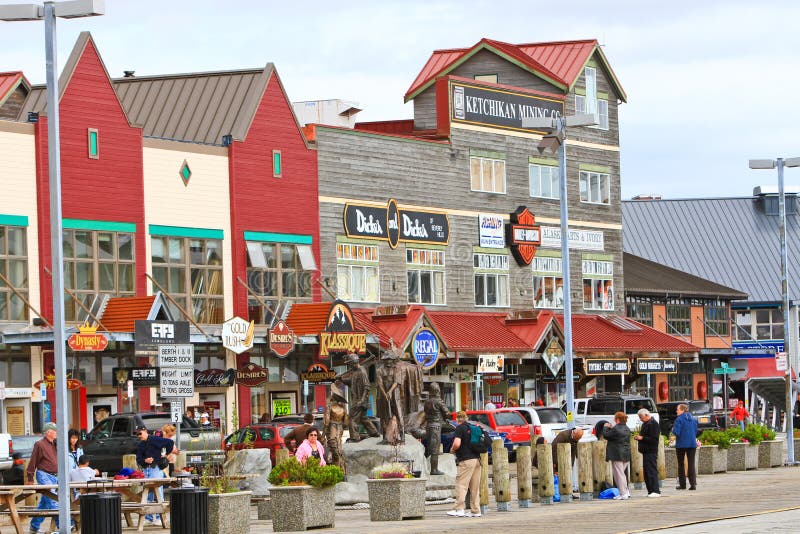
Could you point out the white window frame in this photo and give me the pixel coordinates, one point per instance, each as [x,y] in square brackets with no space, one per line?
[536,174]
[599,276]
[591,187]
[496,180]
[602,111]
[497,270]
[548,271]
[590,77]
[358,257]
[430,262]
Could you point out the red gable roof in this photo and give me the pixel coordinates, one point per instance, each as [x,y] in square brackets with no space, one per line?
[591,333]
[397,328]
[531,331]
[121,312]
[307,318]
[9,82]
[476,331]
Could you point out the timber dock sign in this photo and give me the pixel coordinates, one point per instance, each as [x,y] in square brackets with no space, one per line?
[340,335]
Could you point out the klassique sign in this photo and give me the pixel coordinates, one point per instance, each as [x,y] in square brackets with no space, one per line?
[396,225]
[340,335]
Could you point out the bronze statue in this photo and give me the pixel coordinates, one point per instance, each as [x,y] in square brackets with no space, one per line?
[435,414]
[399,393]
[333,426]
[358,381]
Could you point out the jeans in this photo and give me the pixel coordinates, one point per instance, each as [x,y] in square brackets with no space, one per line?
[45,503]
[154,472]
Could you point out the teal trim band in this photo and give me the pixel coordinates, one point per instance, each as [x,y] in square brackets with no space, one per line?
[107,226]
[184,231]
[271,237]
[13,220]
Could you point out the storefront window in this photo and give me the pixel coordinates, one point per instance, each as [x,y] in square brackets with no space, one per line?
[680,386]
[639,309]
[209,357]
[109,361]
[15,367]
[83,367]
[279,272]
[491,279]
[598,285]
[357,272]
[426,276]
[14,266]
[548,284]
[717,317]
[679,318]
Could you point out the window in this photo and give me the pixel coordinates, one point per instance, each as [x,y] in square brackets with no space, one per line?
[598,285]
[93,143]
[544,181]
[96,262]
[602,110]
[15,367]
[190,269]
[640,310]
[744,325]
[590,76]
[491,279]
[357,272]
[425,270]
[491,78]
[679,317]
[548,283]
[680,386]
[14,266]
[487,174]
[717,318]
[595,187]
[209,357]
[278,273]
[768,324]
[277,167]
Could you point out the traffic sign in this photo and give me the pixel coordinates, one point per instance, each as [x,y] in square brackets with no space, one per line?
[781,361]
[725,371]
[177,382]
[176,409]
[176,356]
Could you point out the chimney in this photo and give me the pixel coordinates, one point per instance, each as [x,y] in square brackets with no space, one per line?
[129,73]
[651,196]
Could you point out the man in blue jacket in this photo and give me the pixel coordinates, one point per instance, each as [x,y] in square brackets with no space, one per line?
[148,454]
[685,430]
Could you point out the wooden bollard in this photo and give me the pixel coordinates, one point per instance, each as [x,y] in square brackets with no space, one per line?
[565,471]
[500,478]
[637,465]
[544,458]
[661,461]
[585,477]
[281,455]
[524,489]
[484,496]
[600,470]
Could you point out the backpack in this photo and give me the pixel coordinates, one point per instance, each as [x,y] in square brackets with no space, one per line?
[479,440]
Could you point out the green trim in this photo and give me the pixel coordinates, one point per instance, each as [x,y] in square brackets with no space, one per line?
[424,246]
[13,220]
[597,256]
[421,267]
[474,152]
[543,161]
[580,91]
[271,237]
[548,253]
[594,168]
[591,63]
[500,272]
[484,250]
[365,263]
[108,226]
[357,240]
[185,231]
[602,96]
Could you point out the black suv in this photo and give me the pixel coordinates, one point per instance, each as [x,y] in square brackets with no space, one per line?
[700,410]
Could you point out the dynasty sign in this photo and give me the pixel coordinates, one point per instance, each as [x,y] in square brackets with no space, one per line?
[395,225]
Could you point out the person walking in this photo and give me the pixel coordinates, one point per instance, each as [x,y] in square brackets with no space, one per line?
[740,414]
[148,455]
[468,475]
[648,437]
[685,430]
[311,447]
[43,469]
[618,452]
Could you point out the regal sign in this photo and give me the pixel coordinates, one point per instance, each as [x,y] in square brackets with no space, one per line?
[214,378]
[87,340]
[394,225]
[340,335]
[523,235]
[281,339]
[251,375]
[318,373]
[426,348]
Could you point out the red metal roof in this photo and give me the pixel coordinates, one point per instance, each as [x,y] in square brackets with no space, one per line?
[531,331]
[593,333]
[397,328]
[476,331]
[8,82]
[121,312]
[308,318]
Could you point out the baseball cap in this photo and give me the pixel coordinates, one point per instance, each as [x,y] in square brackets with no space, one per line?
[50,426]
[140,428]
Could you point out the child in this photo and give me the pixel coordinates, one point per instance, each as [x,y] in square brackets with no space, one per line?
[83,473]
[15,475]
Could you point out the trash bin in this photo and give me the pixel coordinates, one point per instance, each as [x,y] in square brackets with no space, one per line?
[101,513]
[188,510]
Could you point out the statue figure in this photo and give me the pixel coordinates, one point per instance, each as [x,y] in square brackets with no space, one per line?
[435,414]
[333,426]
[391,398]
[358,381]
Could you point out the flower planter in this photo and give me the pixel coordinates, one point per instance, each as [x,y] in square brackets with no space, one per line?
[671,462]
[229,512]
[770,454]
[742,456]
[394,499]
[711,459]
[301,507]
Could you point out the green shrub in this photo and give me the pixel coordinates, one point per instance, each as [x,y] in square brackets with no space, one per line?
[322,476]
[715,437]
[735,434]
[287,472]
[755,433]
[292,473]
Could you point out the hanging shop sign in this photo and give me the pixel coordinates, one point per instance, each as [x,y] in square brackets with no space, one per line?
[49,382]
[150,334]
[460,373]
[140,376]
[426,348]
[490,363]
[318,373]
[656,365]
[607,366]
[281,339]
[553,356]
[340,335]
[87,339]
[491,231]
[500,108]
[578,239]
[216,378]
[493,378]
[395,225]
[523,235]
[238,334]
[251,375]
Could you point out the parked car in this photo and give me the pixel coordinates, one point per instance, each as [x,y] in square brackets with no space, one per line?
[509,422]
[23,444]
[260,436]
[701,411]
[297,419]
[589,410]
[547,421]
[448,435]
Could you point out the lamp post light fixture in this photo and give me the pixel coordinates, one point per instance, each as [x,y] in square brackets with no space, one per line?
[553,142]
[780,163]
[49,12]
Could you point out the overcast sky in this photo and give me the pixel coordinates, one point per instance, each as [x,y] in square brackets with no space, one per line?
[710,84]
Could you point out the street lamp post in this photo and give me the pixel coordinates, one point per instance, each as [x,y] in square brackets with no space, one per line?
[555,142]
[48,12]
[780,163]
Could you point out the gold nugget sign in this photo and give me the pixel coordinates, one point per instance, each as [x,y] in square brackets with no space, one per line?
[340,335]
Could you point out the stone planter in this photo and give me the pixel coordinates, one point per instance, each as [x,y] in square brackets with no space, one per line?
[770,453]
[671,462]
[229,512]
[301,507]
[394,499]
[742,456]
[711,459]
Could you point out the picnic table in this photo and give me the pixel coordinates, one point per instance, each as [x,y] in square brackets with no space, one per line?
[134,494]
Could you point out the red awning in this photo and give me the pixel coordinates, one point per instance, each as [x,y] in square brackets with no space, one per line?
[763,368]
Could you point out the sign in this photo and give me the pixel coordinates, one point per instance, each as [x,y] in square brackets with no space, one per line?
[426,348]
[725,370]
[177,382]
[492,378]
[49,382]
[490,363]
[656,365]
[176,355]
[138,376]
[251,375]
[150,334]
[176,410]
[214,378]
[491,231]
[607,366]
[281,339]
[396,225]
[340,335]
[281,407]
[318,373]
[500,108]
[781,361]
[578,239]
[460,373]
[553,356]
[238,334]
[87,340]
[523,236]
[130,388]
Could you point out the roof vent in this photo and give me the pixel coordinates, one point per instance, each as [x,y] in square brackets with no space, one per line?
[128,73]
[768,198]
[651,196]
[621,323]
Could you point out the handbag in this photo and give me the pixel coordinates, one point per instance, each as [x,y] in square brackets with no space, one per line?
[163,462]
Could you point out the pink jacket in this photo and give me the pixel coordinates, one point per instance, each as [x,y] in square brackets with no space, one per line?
[304,451]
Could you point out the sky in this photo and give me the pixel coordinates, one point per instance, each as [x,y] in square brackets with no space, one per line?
[710,84]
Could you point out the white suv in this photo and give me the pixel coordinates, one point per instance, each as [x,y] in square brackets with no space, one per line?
[590,410]
[547,421]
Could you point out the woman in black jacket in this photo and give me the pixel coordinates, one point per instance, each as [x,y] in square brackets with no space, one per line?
[618,452]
